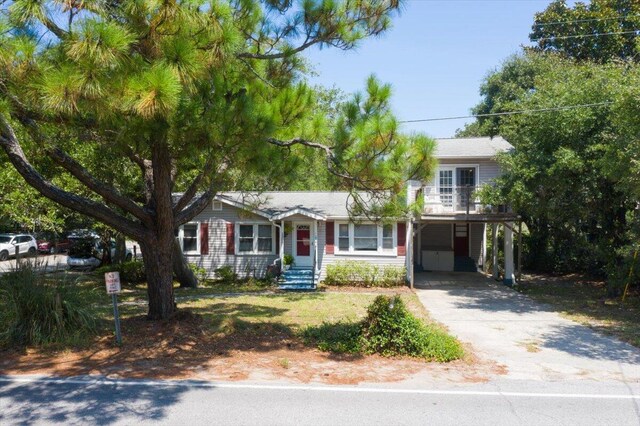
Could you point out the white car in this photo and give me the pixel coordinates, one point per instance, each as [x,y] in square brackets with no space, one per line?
[91,261]
[26,245]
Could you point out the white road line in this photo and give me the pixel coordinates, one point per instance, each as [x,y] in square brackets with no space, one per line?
[222,385]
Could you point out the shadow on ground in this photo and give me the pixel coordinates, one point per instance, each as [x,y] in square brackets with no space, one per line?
[35,402]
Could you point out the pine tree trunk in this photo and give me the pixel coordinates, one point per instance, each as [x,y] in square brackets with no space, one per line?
[158,261]
[181,269]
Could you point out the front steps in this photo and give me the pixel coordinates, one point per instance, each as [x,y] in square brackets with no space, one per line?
[298,278]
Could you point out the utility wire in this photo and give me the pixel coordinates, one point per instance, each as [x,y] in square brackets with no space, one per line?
[586,20]
[584,35]
[496,114]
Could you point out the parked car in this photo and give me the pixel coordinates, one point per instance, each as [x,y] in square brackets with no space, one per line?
[25,243]
[52,243]
[86,253]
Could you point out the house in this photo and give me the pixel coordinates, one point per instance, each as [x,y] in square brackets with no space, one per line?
[247,232]
[451,233]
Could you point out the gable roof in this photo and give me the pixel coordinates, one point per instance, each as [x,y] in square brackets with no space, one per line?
[484,147]
[276,205]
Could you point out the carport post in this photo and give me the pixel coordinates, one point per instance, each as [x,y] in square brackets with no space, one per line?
[509,277]
[494,249]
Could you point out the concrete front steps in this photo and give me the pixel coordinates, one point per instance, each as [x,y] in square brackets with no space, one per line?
[298,278]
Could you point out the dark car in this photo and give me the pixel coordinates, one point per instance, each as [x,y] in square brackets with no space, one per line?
[54,243]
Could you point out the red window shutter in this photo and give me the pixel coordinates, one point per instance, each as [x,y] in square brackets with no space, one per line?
[330,240]
[231,244]
[204,238]
[402,239]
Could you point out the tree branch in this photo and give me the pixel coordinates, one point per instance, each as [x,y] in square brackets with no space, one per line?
[10,144]
[203,200]
[79,172]
[193,188]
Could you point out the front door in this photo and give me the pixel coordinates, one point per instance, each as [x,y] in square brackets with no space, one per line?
[302,245]
[461,239]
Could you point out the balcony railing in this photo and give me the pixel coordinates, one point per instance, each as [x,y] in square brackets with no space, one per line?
[451,199]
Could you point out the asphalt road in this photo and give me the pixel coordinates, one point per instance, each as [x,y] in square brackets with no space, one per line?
[26,400]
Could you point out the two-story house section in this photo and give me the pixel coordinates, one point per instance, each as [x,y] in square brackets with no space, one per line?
[451,232]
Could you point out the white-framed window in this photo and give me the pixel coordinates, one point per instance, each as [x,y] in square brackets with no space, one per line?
[188,236]
[365,238]
[255,238]
[216,205]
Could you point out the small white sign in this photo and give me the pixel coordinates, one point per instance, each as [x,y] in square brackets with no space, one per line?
[112,279]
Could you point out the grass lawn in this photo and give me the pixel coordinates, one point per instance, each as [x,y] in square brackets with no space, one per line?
[584,300]
[233,335]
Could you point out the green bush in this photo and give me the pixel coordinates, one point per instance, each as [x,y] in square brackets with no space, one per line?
[288,259]
[226,274]
[390,329]
[34,312]
[198,271]
[364,274]
[131,272]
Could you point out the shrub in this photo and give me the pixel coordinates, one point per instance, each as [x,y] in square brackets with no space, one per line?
[198,271]
[364,274]
[33,312]
[390,329]
[226,273]
[131,272]
[288,259]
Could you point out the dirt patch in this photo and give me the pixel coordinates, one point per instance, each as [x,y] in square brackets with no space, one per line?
[185,348]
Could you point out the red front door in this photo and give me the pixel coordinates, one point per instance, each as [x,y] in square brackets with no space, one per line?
[303,240]
[461,239]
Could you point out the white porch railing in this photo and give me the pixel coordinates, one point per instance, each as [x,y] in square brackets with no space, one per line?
[451,199]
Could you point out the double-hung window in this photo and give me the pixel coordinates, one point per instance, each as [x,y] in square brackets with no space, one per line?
[365,238]
[255,238]
[188,236]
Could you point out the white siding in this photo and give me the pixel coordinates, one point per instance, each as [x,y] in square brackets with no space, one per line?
[244,265]
[247,265]
[488,169]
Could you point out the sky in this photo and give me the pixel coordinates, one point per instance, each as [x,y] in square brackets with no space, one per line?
[435,57]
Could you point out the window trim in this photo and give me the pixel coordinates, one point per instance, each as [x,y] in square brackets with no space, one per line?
[213,206]
[254,252]
[379,252]
[181,239]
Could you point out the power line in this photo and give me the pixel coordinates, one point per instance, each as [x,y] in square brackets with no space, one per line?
[584,35]
[495,114]
[586,20]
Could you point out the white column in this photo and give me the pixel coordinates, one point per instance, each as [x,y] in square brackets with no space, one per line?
[409,255]
[282,243]
[494,249]
[509,277]
[484,247]
[315,244]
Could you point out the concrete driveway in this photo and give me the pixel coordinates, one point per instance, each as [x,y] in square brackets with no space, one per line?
[530,339]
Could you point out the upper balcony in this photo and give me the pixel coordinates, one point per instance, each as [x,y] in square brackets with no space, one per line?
[451,199]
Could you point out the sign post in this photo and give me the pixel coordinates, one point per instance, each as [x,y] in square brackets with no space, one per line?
[112,280]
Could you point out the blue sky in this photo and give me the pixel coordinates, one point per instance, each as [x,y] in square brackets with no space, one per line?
[435,57]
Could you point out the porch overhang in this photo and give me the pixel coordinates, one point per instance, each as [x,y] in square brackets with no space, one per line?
[299,211]
[476,217]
